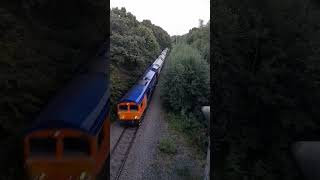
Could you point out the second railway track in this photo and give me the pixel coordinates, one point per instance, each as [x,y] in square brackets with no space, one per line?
[120,151]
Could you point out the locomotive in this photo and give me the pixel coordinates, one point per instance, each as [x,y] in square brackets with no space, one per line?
[133,104]
[70,137]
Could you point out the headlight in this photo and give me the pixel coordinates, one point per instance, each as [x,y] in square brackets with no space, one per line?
[136,117]
[40,177]
[84,176]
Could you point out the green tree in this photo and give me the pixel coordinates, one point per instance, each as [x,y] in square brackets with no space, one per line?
[186,82]
[199,38]
[162,36]
[184,89]
[266,79]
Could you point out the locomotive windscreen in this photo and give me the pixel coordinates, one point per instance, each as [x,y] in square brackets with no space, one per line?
[133,108]
[75,146]
[42,146]
[123,107]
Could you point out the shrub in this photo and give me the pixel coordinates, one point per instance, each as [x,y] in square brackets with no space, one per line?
[167,146]
[186,82]
[192,127]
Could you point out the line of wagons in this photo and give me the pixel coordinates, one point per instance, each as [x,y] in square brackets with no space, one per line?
[132,106]
[70,139]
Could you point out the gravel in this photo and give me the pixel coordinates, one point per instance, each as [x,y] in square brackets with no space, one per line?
[144,148]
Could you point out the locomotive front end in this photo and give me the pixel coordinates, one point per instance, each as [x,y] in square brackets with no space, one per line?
[63,155]
[128,112]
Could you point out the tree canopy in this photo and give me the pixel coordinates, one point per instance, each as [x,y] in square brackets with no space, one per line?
[132,43]
[266,77]
[198,38]
[161,35]
[186,81]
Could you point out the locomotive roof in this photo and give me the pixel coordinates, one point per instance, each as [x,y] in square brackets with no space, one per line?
[82,105]
[136,93]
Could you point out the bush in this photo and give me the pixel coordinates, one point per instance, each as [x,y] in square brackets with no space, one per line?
[266,84]
[133,45]
[192,127]
[186,82]
[166,145]
[184,89]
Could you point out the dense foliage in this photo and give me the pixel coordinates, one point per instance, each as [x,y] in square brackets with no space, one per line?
[198,38]
[161,35]
[266,79]
[134,46]
[132,43]
[184,89]
[186,81]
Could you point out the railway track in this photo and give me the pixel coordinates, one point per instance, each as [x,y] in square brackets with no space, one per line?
[120,151]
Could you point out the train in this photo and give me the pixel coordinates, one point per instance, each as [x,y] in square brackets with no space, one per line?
[131,107]
[70,137]
[158,63]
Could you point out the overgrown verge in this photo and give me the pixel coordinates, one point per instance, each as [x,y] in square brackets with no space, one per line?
[266,75]
[192,128]
[167,145]
[184,89]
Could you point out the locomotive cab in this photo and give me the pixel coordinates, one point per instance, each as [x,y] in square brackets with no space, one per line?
[65,153]
[131,111]
[60,154]
[134,103]
[70,138]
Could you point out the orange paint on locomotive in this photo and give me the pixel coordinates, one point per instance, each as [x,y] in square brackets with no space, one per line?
[61,165]
[129,114]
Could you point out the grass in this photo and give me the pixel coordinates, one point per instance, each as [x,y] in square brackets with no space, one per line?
[167,146]
[183,171]
[191,129]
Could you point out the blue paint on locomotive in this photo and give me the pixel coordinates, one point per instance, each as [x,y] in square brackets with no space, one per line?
[145,85]
[135,94]
[82,105]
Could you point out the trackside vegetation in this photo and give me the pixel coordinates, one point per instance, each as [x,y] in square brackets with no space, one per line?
[186,87]
[167,145]
[266,78]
